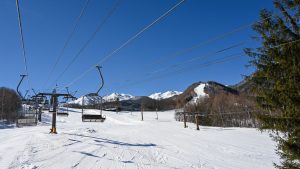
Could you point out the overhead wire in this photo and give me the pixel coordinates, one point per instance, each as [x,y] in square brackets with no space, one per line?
[22,43]
[71,34]
[22,37]
[99,27]
[200,66]
[127,42]
[201,57]
[206,42]
[140,32]
[218,61]
[197,58]
[210,40]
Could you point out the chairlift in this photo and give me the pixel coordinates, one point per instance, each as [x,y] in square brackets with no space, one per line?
[45,105]
[94,117]
[62,112]
[26,117]
[73,96]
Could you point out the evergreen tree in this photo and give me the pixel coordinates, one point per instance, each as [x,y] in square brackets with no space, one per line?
[277,77]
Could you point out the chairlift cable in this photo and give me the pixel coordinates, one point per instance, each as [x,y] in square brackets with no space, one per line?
[22,37]
[127,42]
[99,27]
[73,30]
[200,66]
[222,60]
[208,41]
[200,57]
[22,42]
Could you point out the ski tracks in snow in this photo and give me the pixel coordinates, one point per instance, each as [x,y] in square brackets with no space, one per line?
[24,159]
[124,142]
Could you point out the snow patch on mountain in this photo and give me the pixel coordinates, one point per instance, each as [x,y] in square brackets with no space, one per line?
[90,100]
[165,95]
[200,94]
[86,100]
[115,96]
[199,90]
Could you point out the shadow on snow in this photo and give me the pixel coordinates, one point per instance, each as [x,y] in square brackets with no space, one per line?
[114,142]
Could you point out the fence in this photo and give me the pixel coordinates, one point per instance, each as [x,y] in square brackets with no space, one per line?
[228,119]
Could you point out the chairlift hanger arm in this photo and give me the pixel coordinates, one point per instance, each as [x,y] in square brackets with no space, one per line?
[71,96]
[67,88]
[67,97]
[102,79]
[26,93]
[33,91]
[22,77]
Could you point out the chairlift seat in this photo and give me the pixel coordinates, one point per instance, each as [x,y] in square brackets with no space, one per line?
[93,118]
[26,121]
[62,113]
[45,108]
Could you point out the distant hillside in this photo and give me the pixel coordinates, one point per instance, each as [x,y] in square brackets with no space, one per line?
[86,100]
[165,95]
[199,90]
[167,100]
[244,87]
[90,99]
[115,96]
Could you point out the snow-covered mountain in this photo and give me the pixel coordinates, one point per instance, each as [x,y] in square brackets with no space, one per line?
[115,96]
[193,94]
[86,100]
[165,95]
[199,92]
[91,99]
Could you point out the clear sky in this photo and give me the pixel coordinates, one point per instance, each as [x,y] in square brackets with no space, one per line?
[147,65]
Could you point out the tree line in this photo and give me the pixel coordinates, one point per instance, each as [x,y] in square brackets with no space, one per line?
[10,104]
[223,110]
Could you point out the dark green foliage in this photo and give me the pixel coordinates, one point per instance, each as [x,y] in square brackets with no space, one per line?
[277,77]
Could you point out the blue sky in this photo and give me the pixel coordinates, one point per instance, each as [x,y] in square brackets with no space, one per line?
[145,65]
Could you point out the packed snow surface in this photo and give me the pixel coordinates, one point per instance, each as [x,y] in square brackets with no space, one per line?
[165,95]
[124,141]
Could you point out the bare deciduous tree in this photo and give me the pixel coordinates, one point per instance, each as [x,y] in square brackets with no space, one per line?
[10,103]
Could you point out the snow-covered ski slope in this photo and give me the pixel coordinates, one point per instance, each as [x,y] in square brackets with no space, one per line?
[124,141]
